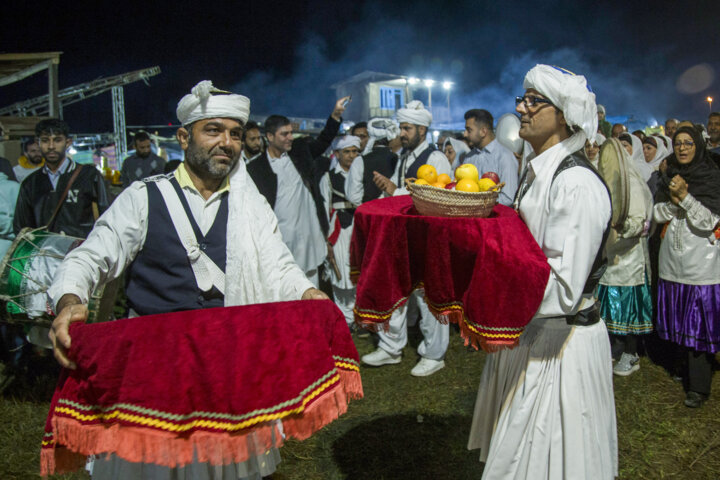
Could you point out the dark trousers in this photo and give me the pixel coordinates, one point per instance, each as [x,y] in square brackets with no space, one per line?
[700,366]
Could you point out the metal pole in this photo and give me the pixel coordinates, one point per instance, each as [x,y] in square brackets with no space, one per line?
[118,101]
[54,109]
[449,115]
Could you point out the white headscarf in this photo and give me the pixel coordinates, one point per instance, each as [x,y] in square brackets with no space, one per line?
[660,153]
[600,139]
[459,146]
[347,141]
[638,158]
[201,103]
[571,94]
[415,113]
[379,128]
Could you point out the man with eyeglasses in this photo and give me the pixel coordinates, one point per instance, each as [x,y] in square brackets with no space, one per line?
[488,155]
[545,409]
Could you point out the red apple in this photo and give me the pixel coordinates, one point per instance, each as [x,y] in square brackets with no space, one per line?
[450,186]
[492,176]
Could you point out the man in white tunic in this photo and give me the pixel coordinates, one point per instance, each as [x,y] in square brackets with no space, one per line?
[287,174]
[545,409]
[340,213]
[232,253]
[414,123]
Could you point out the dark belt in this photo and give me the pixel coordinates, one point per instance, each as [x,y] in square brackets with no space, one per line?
[585,318]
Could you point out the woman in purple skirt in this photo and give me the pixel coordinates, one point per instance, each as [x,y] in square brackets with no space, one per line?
[687,208]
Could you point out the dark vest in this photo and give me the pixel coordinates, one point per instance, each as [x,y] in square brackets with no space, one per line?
[345,215]
[381,160]
[419,162]
[160,279]
[600,264]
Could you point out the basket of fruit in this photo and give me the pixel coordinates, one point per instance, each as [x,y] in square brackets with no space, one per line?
[466,196]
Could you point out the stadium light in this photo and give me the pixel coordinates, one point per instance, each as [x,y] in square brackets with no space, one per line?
[428,82]
[447,85]
[413,80]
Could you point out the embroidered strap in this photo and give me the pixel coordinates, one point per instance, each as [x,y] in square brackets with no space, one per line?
[207,273]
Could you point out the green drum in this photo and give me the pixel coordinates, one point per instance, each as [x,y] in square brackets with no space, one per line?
[26,273]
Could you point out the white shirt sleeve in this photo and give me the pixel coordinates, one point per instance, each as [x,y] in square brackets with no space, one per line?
[116,239]
[437,159]
[698,215]
[665,211]
[326,193]
[354,190]
[579,210]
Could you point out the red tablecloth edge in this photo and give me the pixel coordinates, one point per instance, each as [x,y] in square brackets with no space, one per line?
[452,313]
[72,441]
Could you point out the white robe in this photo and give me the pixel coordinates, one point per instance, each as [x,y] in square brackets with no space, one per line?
[545,410]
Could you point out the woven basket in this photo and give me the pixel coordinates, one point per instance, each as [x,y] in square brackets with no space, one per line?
[439,202]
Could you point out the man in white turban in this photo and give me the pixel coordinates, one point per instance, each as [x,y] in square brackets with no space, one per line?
[385,136]
[186,240]
[545,409]
[340,212]
[414,123]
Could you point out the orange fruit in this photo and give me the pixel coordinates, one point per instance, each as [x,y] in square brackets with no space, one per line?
[420,181]
[444,178]
[467,185]
[438,184]
[427,173]
[485,184]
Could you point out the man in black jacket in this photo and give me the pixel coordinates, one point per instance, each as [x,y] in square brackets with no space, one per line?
[286,174]
[41,192]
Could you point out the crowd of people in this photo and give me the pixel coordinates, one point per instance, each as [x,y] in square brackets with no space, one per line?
[259,213]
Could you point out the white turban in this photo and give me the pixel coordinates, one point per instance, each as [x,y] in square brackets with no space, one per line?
[568,92]
[347,141]
[415,113]
[201,103]
[379,128]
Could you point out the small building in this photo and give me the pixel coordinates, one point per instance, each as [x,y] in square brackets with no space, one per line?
[374,94]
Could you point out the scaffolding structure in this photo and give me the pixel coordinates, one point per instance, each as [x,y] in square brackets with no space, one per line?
[118,103]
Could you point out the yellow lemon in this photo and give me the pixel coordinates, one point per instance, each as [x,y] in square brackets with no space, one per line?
[444,178]
[467,170]
[420,181]
[467,185]
[427,173]
[485,184]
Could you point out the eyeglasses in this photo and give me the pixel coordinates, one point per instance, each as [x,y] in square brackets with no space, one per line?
[531,101]
[686,143]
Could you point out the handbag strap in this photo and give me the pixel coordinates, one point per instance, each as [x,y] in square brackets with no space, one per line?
[63,196]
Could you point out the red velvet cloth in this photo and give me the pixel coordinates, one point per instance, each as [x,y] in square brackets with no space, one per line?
[487,274]
[158,389]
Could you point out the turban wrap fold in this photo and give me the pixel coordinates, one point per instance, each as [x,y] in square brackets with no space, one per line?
[380,128]
[201,104]
[571,94]
[347,141]
[415,113]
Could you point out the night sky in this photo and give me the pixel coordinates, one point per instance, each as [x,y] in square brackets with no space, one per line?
[285,55]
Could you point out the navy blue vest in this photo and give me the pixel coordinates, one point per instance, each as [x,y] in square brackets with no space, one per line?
[160,279]
[419,162]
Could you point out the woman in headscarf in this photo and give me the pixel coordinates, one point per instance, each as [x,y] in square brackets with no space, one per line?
[592,148]
[653,152]
[454,149]
[624,290]
[688,207]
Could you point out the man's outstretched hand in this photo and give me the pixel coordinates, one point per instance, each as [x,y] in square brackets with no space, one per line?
[339,109]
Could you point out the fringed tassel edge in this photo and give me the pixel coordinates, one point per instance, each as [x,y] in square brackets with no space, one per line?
[76,441]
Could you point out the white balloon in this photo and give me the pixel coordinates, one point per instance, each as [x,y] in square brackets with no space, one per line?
[507,133]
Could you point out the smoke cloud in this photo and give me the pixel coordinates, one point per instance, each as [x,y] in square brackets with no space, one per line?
[486,60]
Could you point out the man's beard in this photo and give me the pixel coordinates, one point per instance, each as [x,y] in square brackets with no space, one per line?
[201,163]
[37,160]
[412,143]
[252,151]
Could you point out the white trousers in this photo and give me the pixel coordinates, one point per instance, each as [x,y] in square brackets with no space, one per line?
[345,300]
[435,334]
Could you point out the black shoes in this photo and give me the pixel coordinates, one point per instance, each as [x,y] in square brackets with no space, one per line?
[694,399]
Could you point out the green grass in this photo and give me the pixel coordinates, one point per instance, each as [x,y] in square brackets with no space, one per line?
[417,428]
